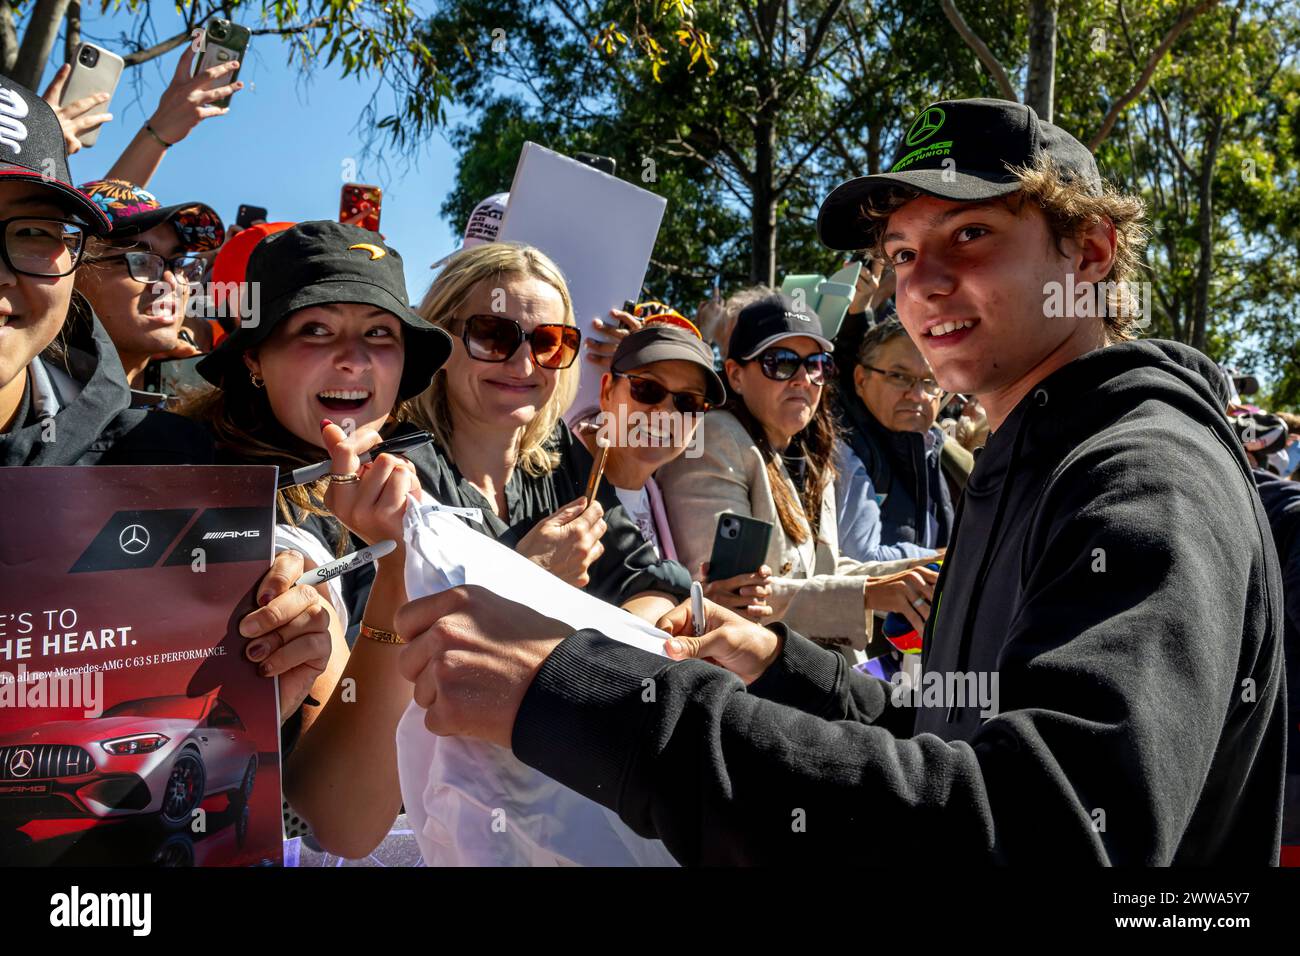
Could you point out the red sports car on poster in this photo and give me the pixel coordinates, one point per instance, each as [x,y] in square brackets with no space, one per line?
[156,755]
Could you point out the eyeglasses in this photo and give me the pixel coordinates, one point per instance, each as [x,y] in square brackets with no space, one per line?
[781,365]
[495,338]
[649,392]
[908,382]
[42,247]
[147,267]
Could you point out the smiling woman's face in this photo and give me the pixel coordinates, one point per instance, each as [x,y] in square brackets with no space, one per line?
[509,394]
[342,362]
[32,309]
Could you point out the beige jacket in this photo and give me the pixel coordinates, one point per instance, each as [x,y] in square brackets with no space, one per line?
[814,590]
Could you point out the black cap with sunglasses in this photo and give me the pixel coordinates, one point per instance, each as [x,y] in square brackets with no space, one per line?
[324,263]
[764,325]
[662,343]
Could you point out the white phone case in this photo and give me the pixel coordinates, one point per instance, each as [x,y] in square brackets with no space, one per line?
[88,80]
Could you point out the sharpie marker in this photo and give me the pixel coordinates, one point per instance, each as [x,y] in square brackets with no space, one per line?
[394,446]
[349,562]
[697,607]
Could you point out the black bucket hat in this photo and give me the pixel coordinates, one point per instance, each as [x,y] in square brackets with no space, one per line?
[323,263]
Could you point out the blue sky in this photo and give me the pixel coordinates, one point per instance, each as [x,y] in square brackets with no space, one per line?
[282,145]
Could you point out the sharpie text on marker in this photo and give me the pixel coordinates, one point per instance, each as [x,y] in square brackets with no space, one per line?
[349,562]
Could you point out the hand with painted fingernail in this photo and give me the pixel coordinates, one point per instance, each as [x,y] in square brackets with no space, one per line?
[289,632]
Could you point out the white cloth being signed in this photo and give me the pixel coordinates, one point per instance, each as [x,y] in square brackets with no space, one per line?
[473,803]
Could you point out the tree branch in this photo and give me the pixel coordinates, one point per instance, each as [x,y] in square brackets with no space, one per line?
[981,50]
[1118,107]
[38,41]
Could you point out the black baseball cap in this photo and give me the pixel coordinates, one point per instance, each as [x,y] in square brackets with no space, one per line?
[661,343]
[323,263]
[768,321]
[32,149]
[961,150]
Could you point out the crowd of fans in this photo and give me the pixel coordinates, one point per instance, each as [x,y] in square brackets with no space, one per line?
[845,441]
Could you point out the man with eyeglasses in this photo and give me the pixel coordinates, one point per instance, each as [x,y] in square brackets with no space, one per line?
[139,278]
[890,492]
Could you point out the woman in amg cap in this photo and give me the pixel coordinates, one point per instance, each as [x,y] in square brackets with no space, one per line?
[769,455]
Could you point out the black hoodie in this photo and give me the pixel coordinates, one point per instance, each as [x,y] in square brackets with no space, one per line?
[95,424]
[1111,565]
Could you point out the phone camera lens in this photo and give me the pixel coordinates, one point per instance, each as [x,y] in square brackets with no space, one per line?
[217,31]
[89,57]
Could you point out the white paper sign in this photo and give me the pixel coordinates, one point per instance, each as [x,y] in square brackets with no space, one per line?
[599,229]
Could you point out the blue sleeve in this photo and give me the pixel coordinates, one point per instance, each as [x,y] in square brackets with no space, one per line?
[858,515]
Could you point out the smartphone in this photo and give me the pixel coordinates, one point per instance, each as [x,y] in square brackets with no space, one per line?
[249,215]
[605,164]
[94,70]
[359,198]
[739,546]
[223,41]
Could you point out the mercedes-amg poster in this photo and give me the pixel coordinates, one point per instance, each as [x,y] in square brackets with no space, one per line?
[133,730]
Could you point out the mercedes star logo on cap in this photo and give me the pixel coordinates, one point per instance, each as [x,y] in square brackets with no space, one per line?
[133,539]
[20,764]
[926,125]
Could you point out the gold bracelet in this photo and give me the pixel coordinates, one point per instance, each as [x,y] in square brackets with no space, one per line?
[382,636]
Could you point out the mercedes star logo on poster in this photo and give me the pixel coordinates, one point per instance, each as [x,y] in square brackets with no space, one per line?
[20,764]
[133,539]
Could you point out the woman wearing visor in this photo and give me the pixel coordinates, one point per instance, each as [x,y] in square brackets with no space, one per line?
[769,454]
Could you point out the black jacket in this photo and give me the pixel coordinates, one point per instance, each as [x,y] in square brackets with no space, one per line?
[1141,717]
[95,424]
[1281,500]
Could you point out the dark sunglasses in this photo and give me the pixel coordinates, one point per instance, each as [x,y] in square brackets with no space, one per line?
[42,247]
[495,338]
[781,365]
[148,267]
[649,392]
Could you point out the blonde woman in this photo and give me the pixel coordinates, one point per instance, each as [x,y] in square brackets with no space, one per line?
[501,446]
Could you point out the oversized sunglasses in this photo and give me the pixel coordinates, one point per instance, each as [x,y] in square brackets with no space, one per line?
[495,338]
[781,365]
[649,392]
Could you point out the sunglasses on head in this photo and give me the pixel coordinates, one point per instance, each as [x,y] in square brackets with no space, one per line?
[495,338]
[781,365]
[649,392]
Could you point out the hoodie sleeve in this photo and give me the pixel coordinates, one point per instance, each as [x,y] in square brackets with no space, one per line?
[1115,689]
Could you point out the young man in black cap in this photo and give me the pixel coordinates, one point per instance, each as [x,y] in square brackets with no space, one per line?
[1111,579]
[64,399]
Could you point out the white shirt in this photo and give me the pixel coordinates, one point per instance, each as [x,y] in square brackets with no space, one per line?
[637,505]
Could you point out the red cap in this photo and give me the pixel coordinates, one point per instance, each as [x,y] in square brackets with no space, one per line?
[231,264]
